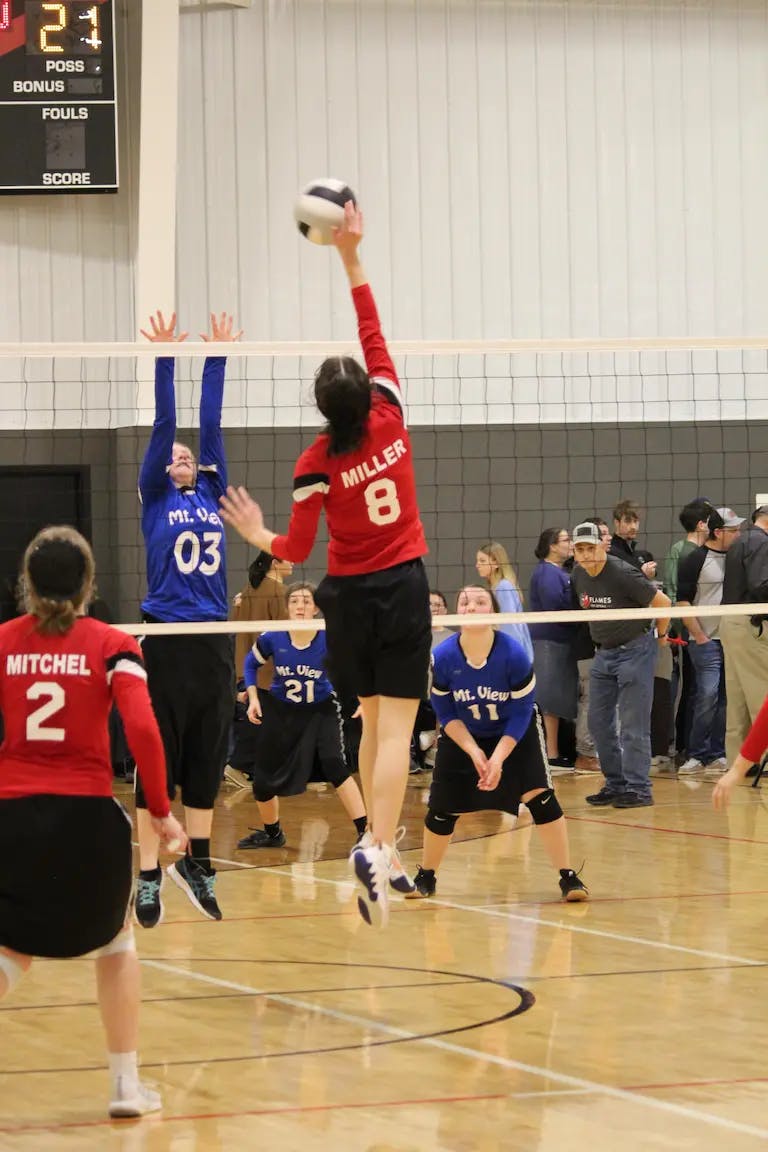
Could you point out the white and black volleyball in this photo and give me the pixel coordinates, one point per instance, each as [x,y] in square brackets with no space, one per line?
[319,209]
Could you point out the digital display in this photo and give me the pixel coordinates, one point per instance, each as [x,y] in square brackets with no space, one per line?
[58,111]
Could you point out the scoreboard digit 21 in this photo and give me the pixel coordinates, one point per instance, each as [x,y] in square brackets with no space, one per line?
[58,109]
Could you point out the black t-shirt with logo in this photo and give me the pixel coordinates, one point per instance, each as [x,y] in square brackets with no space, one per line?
[619,585]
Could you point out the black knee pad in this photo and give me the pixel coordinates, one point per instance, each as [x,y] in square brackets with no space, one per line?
[441,823]
[544,808]
[262,797]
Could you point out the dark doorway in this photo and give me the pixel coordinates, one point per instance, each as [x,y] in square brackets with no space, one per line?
[30,499]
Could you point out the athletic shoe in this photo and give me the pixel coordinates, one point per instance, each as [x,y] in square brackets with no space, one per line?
[574,892]
[236,777]
[132,1098]
[424,884]
[603,797]
[560,764]
[371,868]
[148,907]
[663,764]
[260,838]
[399,879]
[717,767]
[633,800]
[426,740]
[587,764]
[199,885]
[690,768]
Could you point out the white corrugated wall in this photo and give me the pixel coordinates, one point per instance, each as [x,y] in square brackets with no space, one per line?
[528,169]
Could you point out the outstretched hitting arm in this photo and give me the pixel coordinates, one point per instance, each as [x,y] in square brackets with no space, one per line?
[238,508]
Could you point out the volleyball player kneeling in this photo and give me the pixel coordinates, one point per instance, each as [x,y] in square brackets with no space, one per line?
[65,843]
[300,723]
[491,753]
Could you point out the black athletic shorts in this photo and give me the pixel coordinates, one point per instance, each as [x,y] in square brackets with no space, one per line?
[378,631]
[297,743]
[454,779]
[65,873]
[191,682]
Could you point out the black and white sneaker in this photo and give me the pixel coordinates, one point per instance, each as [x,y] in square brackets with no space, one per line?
[197,884]
[424,885]
[574,892]
[260,838]
[147,905]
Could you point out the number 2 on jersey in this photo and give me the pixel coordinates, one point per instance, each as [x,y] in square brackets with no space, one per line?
[54,702]
[382,502]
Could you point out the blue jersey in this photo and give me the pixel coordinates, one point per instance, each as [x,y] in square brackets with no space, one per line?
[493,701]
[183,533]
[299,672]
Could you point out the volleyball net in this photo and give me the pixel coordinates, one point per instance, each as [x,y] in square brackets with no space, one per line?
[509,438]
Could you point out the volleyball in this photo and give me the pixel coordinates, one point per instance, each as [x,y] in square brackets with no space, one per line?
[319,208]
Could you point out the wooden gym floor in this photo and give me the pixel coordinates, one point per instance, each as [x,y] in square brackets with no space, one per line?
[491,1017]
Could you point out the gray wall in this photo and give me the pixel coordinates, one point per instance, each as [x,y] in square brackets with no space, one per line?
[474,484]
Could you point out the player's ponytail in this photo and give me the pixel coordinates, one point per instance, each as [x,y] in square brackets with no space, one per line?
[58,574]
[343,396]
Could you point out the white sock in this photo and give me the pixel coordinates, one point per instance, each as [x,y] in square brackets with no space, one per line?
[125,1065]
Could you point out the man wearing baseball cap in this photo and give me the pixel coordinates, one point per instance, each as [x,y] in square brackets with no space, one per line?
[700,579]
[745,638]
[621,681]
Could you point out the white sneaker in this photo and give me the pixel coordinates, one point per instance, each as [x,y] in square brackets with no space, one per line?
[132,1098]
[399,879]
[371,868]
[690,768]
[717,767]
[426,740]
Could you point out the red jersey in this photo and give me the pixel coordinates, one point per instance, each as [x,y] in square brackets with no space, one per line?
[753,748]
[56,693]
[369,495]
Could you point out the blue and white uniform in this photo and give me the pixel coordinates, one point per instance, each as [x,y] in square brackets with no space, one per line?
[300,736]
[494,700]
[300,676]
[191,678]
[183,532]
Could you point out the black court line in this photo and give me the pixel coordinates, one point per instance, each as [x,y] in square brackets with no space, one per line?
[526,1000]
[245,995]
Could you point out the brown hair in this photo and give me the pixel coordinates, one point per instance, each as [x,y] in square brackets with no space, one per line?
[495,606]
[58,572]
[627,509]
[300,586]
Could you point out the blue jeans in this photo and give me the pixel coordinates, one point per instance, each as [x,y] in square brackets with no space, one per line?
[620,699]
[707,739]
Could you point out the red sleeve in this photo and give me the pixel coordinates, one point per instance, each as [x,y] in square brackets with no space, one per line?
[378,361]
[128,683]
[310,487]
[753,748]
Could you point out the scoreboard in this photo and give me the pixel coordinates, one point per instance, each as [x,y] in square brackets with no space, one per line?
[58,107]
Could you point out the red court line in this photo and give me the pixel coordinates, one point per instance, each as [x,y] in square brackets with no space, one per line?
[674,831]
[300,1109]
[697,1084]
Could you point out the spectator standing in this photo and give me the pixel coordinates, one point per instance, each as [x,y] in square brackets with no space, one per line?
[745,638]
[554,658]
[621,687]
[494,566]
[701,574]
[626,525]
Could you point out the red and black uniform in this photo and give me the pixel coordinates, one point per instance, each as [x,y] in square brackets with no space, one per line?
[375,598]
[756,743]
[65,844]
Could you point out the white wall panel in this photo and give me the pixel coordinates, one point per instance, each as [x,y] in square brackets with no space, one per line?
[528,169]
